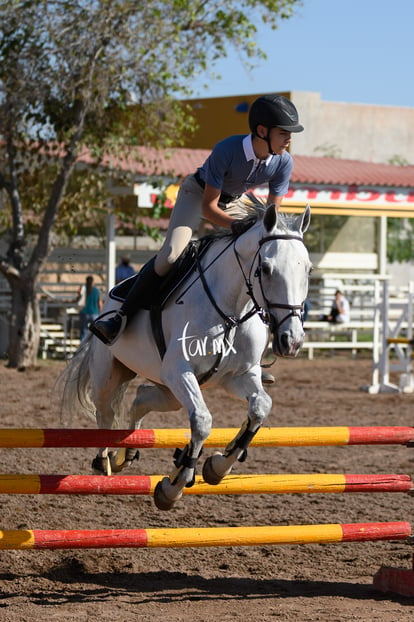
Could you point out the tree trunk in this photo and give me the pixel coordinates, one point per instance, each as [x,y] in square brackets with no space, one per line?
[24,331]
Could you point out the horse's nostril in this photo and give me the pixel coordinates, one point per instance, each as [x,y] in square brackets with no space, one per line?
[284,340]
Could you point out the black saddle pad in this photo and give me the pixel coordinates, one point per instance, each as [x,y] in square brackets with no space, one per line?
[120,291]
[182,268]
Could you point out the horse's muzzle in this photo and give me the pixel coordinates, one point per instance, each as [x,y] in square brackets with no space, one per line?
[288,343]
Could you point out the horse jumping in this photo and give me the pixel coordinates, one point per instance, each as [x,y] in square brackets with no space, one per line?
[216,327]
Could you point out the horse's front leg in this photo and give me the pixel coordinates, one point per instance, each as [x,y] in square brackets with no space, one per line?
[170,489]
[260,403]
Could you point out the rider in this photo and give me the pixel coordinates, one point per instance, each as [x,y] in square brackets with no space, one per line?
[215,192]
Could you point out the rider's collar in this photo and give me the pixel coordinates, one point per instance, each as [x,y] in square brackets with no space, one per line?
[249,151]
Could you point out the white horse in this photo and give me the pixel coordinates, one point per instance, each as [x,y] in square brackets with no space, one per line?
[215,331]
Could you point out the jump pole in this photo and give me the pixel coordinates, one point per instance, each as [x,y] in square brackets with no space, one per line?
[401,340]
[203,537]
[231,485]
[219,437]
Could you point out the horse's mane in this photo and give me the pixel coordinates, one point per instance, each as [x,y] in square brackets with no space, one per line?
[256,206]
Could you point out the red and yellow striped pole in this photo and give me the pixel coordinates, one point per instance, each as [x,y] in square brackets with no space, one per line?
[231,484]
[203,537]
[219,437]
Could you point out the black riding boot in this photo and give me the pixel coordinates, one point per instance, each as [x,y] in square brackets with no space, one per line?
[140,296]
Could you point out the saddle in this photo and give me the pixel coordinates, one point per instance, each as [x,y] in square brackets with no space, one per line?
[185,265]
[181,271]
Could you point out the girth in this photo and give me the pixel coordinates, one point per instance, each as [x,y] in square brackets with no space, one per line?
[181,271]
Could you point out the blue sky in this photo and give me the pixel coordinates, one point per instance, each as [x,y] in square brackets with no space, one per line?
[359,51]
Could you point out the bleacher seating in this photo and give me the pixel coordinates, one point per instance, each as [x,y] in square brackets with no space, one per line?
[363,293]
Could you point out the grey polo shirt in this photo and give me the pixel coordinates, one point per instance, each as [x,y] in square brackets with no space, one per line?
[233,168]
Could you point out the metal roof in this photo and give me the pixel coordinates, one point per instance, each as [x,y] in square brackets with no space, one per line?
[317,170]
[307,169]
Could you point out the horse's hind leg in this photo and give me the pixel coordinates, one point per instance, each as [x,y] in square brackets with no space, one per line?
[260,403]
[108,386]
[151,397]
[148,398]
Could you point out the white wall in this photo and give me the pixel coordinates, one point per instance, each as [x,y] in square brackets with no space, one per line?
[359,131]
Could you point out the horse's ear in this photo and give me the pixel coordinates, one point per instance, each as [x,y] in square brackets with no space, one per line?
[270,218]
[304,220]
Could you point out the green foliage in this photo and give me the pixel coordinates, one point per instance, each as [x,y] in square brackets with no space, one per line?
[397,160]
[400,240]
[69,72]
[400,237]
[323,231]
[328,151]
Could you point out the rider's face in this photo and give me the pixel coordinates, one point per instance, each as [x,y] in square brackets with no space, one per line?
[279,139]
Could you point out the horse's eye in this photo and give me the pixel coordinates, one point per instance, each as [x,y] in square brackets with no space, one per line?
[266,269]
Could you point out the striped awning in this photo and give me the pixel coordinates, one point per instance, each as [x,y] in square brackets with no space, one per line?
[324,200]
[351,200]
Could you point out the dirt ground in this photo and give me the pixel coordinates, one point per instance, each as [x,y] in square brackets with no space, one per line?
[263,583]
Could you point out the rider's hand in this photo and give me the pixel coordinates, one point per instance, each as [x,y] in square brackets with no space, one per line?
[239,226]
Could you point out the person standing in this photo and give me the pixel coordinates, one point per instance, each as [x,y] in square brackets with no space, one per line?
[216,192]
[90,302]
[124,270]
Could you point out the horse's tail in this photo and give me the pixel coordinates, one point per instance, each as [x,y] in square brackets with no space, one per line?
[74,385]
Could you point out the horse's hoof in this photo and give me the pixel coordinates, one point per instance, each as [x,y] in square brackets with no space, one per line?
[161,499]
[210,471]
[116,466]
[99,466]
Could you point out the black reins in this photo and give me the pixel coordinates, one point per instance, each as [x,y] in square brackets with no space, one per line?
[230,321]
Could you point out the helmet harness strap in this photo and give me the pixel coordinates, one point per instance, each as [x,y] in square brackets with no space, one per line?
[267,140]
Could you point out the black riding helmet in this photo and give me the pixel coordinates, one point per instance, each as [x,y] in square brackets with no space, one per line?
[274,111]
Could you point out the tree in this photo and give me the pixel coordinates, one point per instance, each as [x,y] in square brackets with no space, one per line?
[400,244]
[68,70]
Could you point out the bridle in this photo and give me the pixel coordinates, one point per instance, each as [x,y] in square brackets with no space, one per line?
[265,315]
[230,320]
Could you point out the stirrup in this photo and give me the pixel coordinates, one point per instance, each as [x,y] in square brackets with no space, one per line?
[93,328]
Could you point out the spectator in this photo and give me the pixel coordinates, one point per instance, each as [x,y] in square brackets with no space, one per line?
[124,270]
[340,311]
[90,304]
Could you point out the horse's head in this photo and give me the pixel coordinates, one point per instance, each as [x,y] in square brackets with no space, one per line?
[283,276]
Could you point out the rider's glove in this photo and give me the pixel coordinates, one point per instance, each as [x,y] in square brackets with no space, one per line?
[239,226]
